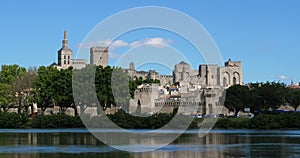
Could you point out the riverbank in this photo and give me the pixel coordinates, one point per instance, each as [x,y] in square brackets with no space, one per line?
[124,120]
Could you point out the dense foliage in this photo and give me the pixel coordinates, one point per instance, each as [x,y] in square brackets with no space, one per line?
[237,98]
[57,121]
[262,121]
[112,85]
[124,120]
[259,97]
[14,82]
[13,120]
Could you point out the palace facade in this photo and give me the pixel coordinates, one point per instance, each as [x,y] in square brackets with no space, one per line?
[193,91]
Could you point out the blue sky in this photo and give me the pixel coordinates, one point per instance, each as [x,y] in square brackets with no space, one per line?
[264,35]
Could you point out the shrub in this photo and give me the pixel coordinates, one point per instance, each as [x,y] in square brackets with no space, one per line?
[13,120]
[56,121]
[276,121]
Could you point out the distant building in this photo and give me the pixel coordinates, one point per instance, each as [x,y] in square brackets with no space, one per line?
[99,56]
[196,91]
[65,54]
[294,86]
[206,76]
[79,63]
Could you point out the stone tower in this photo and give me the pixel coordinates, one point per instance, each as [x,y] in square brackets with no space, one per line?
[181,72]
[65,54]
[131,66]
[231,73]
[99,56]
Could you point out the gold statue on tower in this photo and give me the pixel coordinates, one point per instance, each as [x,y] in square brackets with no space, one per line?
[65,35]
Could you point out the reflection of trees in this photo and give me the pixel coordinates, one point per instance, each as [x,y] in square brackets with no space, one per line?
[60,139]
[236,144]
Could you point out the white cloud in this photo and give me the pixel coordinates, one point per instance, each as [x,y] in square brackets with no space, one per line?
[118,43]
[135,44]
[283,77]
[155,42]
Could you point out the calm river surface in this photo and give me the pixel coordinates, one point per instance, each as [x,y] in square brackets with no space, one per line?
[79,143]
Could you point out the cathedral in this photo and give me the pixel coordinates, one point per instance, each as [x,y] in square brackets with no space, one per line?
[98,56]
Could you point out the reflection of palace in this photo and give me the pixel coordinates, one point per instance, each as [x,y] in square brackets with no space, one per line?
[191,146]
[193,91]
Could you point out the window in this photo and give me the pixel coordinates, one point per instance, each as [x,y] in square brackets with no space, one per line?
[225,84]
[234,81]
[68,56]
[64,57]
[64,62]
[68,61]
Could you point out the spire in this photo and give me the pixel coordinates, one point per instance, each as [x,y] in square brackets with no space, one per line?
[65,35]
[65,40]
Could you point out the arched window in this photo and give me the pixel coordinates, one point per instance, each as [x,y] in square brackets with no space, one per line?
[234,81]
[225,83]
[65,62]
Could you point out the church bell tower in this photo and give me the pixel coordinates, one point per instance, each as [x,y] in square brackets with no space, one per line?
[65,54]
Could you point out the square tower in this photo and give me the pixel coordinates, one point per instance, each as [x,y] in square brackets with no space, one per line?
[99,56]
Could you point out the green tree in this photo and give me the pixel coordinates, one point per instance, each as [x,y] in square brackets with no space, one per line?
[120,88]
[44,87]
[53,87]
[293,98]
[103,87]
[22,87]
[9,74]
[271,95]
[63,87]
[6,97]
[267,96]
[84,87]
[237,98]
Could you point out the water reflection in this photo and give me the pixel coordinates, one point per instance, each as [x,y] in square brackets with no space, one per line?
[218,143]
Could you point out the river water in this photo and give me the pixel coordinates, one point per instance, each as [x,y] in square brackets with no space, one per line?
[79,143]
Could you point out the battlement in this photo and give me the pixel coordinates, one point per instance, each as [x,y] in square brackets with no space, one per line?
[178,103]
[231,63]
[99,49]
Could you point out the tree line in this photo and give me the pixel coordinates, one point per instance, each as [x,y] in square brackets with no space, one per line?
[49,87]
[261,97]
